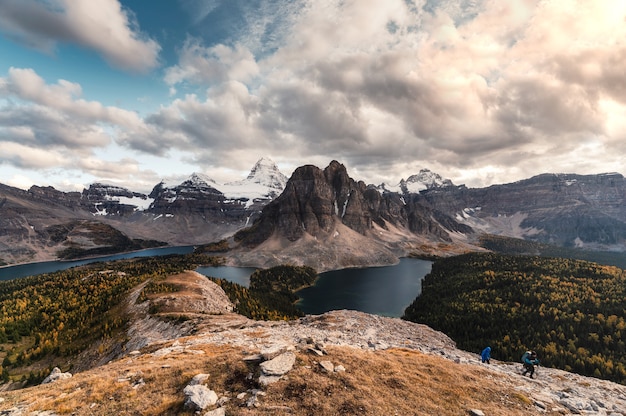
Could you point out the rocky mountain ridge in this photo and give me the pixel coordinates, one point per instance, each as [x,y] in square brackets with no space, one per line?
[423,181]
[193,212]
[325,218]
[584,211]
[341,362]
[337,221]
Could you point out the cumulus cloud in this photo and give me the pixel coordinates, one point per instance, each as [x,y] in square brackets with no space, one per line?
[29,157]
[100,25]
[55,115]
[49,127]
[203,65]
[490,86]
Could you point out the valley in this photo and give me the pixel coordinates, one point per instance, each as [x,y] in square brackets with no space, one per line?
[172,325]
[320,220]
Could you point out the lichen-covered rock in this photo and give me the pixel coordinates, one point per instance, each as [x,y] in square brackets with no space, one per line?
[56,375]
[199,397]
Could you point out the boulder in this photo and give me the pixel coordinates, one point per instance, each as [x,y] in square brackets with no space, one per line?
[279,365]
[56,375]
[199,397]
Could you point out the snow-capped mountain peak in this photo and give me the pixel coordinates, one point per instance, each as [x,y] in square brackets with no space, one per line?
[200,179]
[264,181]
[425,179]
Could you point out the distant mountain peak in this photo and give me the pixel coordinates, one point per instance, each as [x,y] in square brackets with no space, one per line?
[422,181]
[425,179]
[200,179]
[265,180]
[266,172]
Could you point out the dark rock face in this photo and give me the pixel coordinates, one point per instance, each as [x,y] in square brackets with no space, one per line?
[197,198]
[68,199]
[187,198]
[564,209]
[314,200]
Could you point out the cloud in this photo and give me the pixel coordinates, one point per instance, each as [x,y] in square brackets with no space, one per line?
[99,25]
[202,65]
[505,90]
[29,157]
[49,127]
[200,9]
[453,84]
[55,115]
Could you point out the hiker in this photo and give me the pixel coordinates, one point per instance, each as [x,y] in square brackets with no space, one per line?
[485,356]
[529,359]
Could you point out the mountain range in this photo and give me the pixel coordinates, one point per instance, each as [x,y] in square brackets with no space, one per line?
[317,217]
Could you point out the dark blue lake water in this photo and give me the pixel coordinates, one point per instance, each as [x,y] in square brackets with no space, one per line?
[239,275]
[29,269]
[385,291]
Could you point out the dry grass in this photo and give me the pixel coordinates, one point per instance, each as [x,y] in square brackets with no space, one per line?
[393,382]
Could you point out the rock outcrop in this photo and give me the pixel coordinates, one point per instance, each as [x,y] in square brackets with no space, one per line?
[56,375]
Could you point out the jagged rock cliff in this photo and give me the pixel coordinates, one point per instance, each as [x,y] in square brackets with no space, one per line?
[327,220]
[315,201]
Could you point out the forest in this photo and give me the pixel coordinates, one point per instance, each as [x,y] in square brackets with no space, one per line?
[516,246]
[572,312]
[60,314]
[271,295]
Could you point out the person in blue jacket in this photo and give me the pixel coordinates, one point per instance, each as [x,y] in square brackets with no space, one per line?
[485,356]
[529,359]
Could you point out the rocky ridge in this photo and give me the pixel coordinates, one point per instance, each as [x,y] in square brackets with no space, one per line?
[326,214]
[314,347]
[423,181]
[584,211]
[319,207]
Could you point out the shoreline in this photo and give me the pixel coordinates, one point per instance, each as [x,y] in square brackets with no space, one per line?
[52,260]
[22,270]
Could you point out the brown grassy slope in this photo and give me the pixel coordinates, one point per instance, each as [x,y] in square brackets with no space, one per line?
[391,382]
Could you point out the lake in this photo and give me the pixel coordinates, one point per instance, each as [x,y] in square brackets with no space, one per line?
[239,275]
[384,291]
[30,269]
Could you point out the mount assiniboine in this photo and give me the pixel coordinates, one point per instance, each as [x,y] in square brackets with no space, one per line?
[319,217]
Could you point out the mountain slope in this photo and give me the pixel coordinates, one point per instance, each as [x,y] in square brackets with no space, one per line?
[196,211]
[585,211]
[346,362]
[325,217]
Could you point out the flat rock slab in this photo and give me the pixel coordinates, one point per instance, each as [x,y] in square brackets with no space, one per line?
[279,365]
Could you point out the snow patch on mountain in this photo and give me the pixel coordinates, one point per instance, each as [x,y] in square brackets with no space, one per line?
[423,181]
[102,195]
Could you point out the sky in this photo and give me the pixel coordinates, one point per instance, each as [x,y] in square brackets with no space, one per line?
[132,92]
